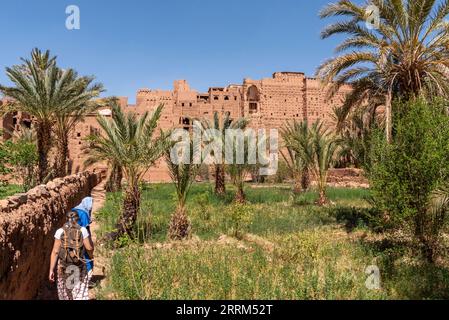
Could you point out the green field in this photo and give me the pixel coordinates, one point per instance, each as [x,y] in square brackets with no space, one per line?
[9,190]
[291,249]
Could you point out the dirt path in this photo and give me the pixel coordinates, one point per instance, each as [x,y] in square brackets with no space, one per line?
[99,195]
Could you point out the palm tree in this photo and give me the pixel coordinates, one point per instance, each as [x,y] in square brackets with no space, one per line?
[240,171]
[38,90]
[406,55]
[129,142]
[324,148]
[355,133]
[216,125]
[182,174]
[80,93]
[296,138]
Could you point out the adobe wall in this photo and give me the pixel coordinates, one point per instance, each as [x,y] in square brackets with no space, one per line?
[27,225]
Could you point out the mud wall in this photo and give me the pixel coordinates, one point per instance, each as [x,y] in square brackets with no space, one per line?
[27,226]
[347,178]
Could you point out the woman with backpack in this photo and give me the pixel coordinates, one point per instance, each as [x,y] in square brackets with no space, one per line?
[71,243]
[84,210]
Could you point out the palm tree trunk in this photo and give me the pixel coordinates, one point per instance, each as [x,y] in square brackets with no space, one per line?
[43,132]
[322,200]
[62,156]
[179,228]
[240,195]
[220,187]
[114,183]
[305,179]
[388,117]
[297,188]
[131,206]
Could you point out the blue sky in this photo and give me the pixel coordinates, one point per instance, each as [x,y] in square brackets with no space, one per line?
[133,44]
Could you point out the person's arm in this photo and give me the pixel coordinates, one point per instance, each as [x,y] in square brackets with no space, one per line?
[54,259]
[89,246]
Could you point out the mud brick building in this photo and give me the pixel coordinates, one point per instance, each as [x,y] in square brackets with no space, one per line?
[268,103]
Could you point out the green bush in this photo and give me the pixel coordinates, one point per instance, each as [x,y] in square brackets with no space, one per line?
[238,219]
[404,174]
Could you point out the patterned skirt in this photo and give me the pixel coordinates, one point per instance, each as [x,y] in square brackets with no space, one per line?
[73,282]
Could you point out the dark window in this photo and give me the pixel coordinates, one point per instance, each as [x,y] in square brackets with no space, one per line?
[252,107]
[78,134]
[182,104]
[226,98]
[216,98]
[190,104]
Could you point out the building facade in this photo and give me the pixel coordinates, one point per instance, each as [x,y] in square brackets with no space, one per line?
[268,103]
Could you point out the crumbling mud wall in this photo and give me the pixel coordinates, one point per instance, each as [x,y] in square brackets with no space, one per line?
[347,178]
[27,226]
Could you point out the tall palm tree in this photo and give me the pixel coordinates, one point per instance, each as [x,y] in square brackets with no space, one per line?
[129,142]
[38,90]
[221,126]
[297,141]
[182,174]
[324,149]
[80,93]
[405,55]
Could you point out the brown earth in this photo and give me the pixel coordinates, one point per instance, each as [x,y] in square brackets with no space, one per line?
[27,225]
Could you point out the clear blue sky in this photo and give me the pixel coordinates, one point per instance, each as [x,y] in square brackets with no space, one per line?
[133,44]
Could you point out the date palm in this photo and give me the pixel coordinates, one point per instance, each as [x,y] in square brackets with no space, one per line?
[324,146]
[182,172]
[355,132]
[221,127]
[405,55]
[238,173]
[130,142]
[297,142]
[80,93]
[38,91]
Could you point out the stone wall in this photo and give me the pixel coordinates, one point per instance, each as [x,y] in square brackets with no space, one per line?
[27,225]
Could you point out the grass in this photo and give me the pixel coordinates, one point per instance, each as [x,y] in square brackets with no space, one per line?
[9,190]
[293,250]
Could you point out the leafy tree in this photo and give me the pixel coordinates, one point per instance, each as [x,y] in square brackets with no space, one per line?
[405,174]
[22,157]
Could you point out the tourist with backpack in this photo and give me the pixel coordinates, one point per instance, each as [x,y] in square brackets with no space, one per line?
[84,211]
[71,243]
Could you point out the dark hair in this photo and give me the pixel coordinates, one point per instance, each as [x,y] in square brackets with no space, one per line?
[72,217]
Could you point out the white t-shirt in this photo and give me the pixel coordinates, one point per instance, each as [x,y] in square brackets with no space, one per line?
[60,231]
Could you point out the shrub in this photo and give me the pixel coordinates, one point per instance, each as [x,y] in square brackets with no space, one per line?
[238,219]
[405,173]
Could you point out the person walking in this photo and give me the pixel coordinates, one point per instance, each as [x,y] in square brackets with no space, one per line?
[71,243]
